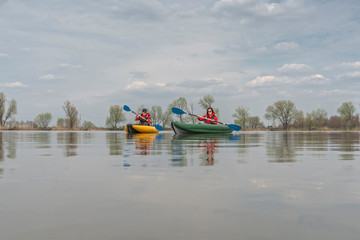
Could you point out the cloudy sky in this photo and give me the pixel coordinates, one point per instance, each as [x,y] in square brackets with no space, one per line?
[250,53]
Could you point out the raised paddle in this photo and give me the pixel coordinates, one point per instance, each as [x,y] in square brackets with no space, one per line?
[231,126]
[158,127]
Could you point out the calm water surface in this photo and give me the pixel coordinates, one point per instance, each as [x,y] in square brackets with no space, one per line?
[248,185]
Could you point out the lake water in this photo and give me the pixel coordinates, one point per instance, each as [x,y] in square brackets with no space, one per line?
[247,185]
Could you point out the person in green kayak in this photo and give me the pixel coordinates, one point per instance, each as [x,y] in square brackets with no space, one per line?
[209,118]
[144,118]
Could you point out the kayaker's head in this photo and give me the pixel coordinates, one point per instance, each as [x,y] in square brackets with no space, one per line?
[210,111]
[144,110]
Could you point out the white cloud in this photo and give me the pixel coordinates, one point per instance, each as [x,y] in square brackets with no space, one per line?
[241,8]
[3,54]
[266,80]
[49,77]
[338,92]
[273,80]
[14,85]
[68,65]
[295,67]
[351,64]
[161,84]
[350,75]
[136,85]
[286,46]
[315,79]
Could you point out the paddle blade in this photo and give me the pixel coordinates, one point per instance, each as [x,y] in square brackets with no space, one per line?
[158,127]
[126,108]
[177,111]
[234,127]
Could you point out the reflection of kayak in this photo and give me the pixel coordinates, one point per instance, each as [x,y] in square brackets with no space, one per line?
[149,136]
[204,136]
[185,128]
[135,128]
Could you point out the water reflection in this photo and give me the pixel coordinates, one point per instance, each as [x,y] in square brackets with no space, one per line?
[69,142]
[1,147]
[8,145]
[281,147]
[42,139]
[347,143]
[207,144]
[115,142]
[144,142]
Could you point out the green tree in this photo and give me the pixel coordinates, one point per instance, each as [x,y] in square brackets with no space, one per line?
[10,113]
[88,125]
[43,120]
[183,105]
[61,122]
[116,116]
[284,111]
[206,101]
[347,113]
[241,116]
[71,114]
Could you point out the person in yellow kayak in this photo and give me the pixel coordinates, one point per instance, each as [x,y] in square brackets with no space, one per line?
[144,118]
[210,117]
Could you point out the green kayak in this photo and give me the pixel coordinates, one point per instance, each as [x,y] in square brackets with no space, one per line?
[184,128]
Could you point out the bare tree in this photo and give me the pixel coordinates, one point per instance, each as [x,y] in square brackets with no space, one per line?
[10,113]
[71,114]
[299,120]
[116,116]
[284,111]
[254,122]
[156,113]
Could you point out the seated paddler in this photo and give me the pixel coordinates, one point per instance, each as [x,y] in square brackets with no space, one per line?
[209,117]
[143,118]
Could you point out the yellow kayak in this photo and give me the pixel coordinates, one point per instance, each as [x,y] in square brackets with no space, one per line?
[135,128]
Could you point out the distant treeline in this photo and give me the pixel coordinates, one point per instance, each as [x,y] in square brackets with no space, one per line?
[283,114]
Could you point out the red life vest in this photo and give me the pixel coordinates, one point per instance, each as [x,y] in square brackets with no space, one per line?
[207,120]
[144,119]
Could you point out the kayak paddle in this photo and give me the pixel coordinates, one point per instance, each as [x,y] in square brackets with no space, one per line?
[158,127]
[231,126]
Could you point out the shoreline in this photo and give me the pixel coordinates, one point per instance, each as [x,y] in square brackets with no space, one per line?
[169,129]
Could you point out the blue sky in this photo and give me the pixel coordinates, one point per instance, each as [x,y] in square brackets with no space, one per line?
[248,53]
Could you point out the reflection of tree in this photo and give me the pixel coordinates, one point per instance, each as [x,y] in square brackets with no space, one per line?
[70,141]
[115,142]
[1,147]
[315,141]
[43,139]
[245,142]
[281,147]
[8,143]
[11,140]
[347,143]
